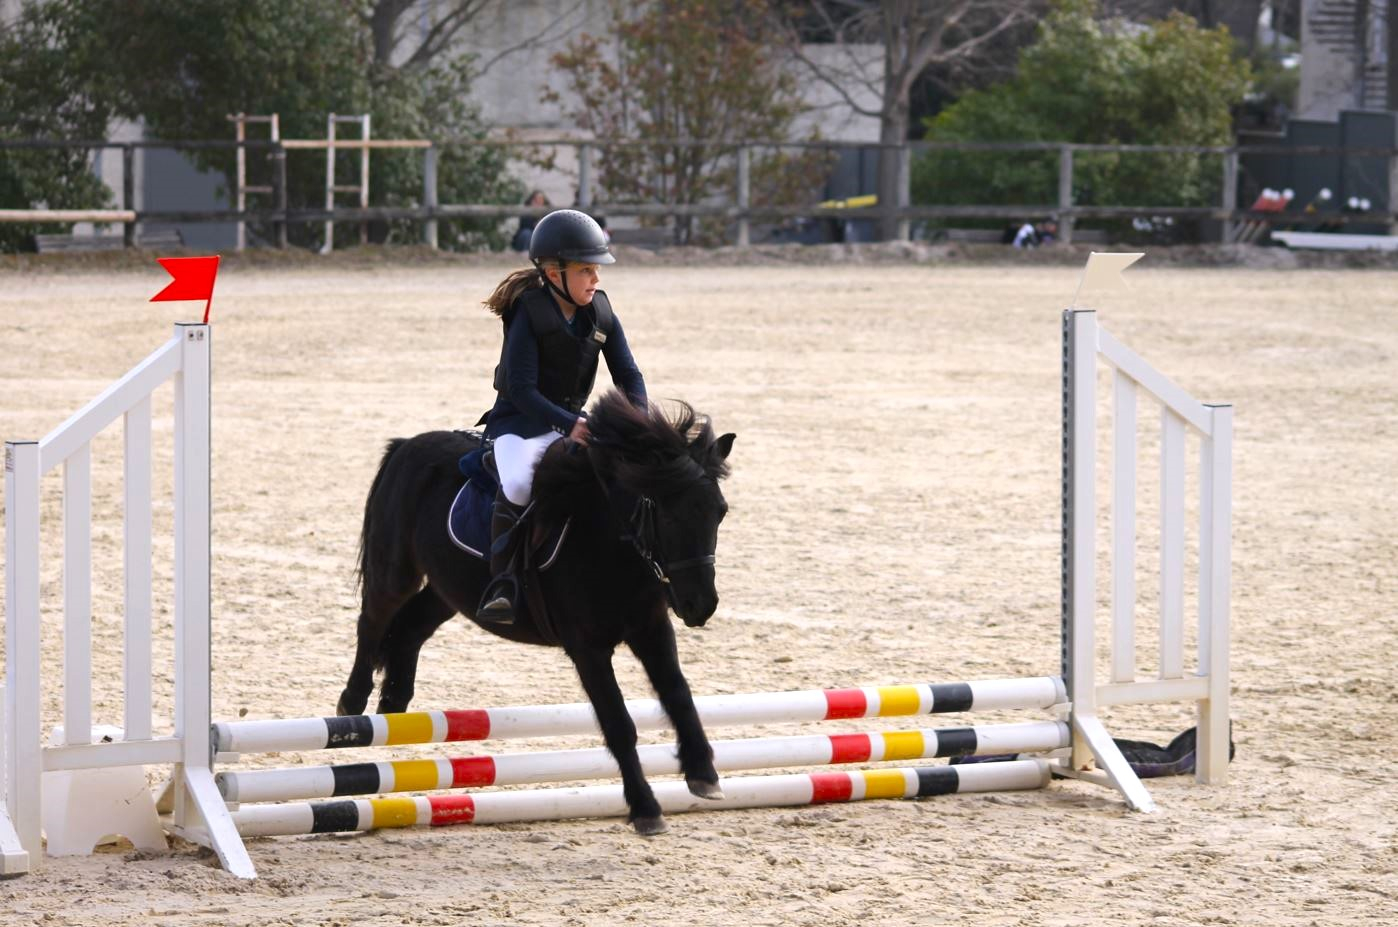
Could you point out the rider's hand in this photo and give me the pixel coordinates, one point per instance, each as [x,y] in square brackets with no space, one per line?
[580,433]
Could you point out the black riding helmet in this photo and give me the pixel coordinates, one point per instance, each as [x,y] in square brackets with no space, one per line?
[568,235]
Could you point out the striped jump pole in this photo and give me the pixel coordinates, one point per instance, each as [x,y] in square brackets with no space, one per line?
[427,727]
[656,759]
[605,801]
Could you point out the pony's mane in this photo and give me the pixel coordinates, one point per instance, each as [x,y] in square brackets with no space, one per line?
[643,450]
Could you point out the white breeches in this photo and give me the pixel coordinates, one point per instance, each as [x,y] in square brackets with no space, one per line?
[516,459]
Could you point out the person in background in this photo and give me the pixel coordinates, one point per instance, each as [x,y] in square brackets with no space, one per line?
[1025,236]
[526,223]
[1034,234]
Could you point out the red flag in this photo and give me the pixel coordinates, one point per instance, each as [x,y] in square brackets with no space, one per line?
[194,280]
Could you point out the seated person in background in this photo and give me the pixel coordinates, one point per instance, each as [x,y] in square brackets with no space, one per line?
[1034,234]
[526,223]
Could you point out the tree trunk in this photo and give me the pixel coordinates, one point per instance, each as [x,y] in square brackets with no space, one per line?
[893,136]
[383,25]
[898,39]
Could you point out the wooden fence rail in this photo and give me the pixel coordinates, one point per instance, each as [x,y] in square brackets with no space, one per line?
[741,210]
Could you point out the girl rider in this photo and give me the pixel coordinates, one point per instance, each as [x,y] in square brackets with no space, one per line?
[556,323]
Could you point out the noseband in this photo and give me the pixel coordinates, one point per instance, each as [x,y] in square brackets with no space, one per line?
[645,539]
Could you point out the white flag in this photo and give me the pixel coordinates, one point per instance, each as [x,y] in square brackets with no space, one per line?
[1103,273]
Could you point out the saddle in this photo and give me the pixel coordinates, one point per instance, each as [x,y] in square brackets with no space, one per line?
[468,520]
[468,526]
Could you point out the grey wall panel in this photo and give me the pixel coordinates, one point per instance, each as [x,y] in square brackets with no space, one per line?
[172,182]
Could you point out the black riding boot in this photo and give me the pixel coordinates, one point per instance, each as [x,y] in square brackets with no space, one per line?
[501,596]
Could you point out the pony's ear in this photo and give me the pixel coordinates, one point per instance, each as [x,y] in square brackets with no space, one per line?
[724,445]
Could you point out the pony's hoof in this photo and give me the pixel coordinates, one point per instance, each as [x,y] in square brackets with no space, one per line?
[650,827]
[342,709]
[710,791]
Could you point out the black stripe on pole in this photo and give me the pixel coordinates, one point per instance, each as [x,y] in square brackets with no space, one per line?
[334,817]
[350,731]
[356,779]
[954,741]
[937,780]
[951,696]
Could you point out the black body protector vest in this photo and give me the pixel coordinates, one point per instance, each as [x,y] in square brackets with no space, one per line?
[567,364]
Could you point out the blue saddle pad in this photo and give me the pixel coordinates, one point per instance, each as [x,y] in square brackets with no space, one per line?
[468,522]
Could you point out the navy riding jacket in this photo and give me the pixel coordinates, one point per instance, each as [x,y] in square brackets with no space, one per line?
[524,411]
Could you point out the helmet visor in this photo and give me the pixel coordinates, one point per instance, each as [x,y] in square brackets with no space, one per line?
[588,256]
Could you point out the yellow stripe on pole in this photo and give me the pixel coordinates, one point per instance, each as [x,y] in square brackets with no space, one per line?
[899,700]
[393,812]
[903,745]
[414,775]
[413,727]
[884,783]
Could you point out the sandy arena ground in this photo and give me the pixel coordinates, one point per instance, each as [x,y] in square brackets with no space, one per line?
[894,518]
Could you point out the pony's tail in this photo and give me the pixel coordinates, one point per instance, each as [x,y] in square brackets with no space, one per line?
[364,572]
[511,287]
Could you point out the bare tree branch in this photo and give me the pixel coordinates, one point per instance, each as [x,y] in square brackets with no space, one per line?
[544,35]
[837,77]
[823,75]
[441,35]
[915,34]
[927,34]
[970,46]
[859,76]
[846,31]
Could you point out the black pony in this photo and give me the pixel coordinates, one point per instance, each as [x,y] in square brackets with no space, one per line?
[645,507]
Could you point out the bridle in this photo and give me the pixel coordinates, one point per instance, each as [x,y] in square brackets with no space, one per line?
[642,534]
[644,537]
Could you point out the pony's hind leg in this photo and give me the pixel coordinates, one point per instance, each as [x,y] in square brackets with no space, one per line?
[412,626]
[375,616]
[361,682]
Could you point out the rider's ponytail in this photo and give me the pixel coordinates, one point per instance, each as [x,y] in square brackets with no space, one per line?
[511,287]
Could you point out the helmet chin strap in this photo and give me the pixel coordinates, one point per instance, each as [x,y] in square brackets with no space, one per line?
[563,274]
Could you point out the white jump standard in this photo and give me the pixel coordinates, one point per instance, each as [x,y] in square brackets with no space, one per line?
[200,813]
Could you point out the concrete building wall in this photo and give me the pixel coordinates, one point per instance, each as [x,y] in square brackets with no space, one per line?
[515,41]
[830,114]
[107,165]
[1347,48]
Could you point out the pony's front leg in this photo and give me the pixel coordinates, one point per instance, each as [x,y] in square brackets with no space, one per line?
[654,645]
[619,732]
